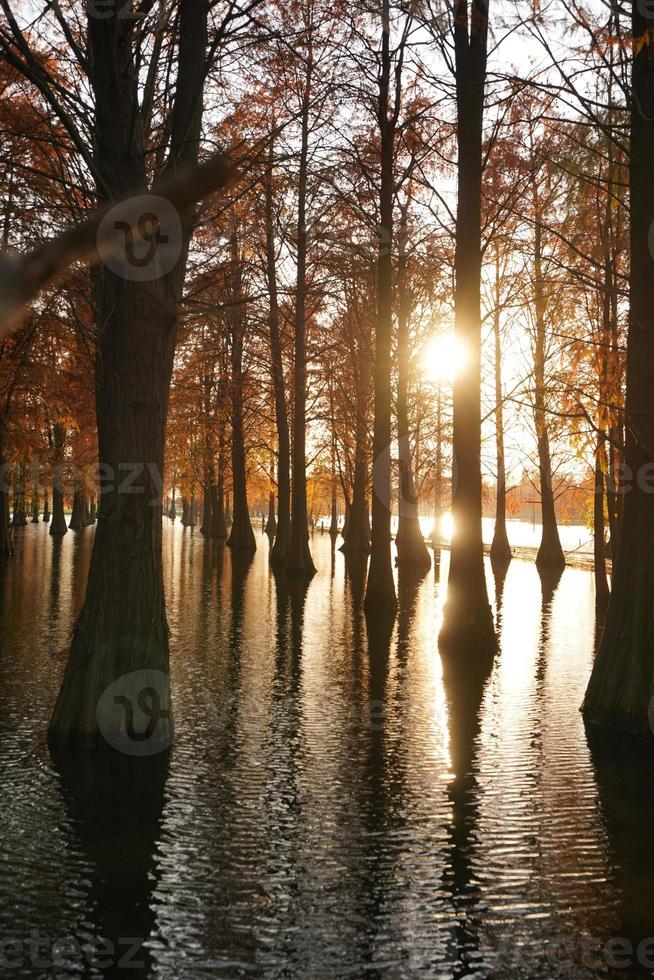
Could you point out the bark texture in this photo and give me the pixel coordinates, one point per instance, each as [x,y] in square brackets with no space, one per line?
[122,631]
[468,622]
[621,685]
[380,589]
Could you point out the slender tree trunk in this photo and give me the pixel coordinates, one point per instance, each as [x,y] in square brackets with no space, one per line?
[599,543]
[122,631]
[436,531]
[220,522]
[410,541]
[46,507]
[380,590]
[35,505]
[283,530]
[58,525]
[6,549]
[550,556]
[500,551]
[298,557]
[356,523]
[468,621]
[333,524]
[621,686]
[242,535]
[271,523]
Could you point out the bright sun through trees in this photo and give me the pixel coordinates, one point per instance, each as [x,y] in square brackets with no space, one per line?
[443,358]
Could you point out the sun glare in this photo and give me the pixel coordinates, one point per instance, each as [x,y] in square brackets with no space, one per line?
[443,358]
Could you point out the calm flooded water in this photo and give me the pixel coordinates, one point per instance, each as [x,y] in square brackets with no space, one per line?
[336,803]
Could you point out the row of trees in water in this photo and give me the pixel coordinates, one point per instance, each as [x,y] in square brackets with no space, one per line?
[392,178]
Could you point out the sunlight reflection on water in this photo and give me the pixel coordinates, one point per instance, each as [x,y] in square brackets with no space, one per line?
[336,804]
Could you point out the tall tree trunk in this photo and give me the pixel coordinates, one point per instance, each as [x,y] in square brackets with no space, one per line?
[242,535]
[356,524]
[35,504]
[76,522]
[410,541]
[122,631]
[46,507]
[19,516]
[500,551]
[380,590]
[207,509]
[220,522]
[58,525]
[6,549]
[271,523]
[437,531]
[550,558]
[298,557]
[333,524]
[283,528]
[599,543]
[468,621]
[621,686]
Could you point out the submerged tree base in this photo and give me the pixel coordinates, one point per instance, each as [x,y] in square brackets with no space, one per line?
[500,549]
[117,695]
[550,558]
[468,629]
[412,550]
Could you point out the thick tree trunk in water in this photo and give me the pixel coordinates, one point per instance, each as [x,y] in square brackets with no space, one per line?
[185,513]
[333,522]
[207,512]
[76,522]
[298,557]
[380,590]
[220,522]
[19,517]
[35,506]
[500,551]
[283,528]
[468,621]
[599,544]
[6,549]
[621,686]
[271,523]
[121,632]
[356,526]
[58,525]
[242,535]
[410,541]
[346,524]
